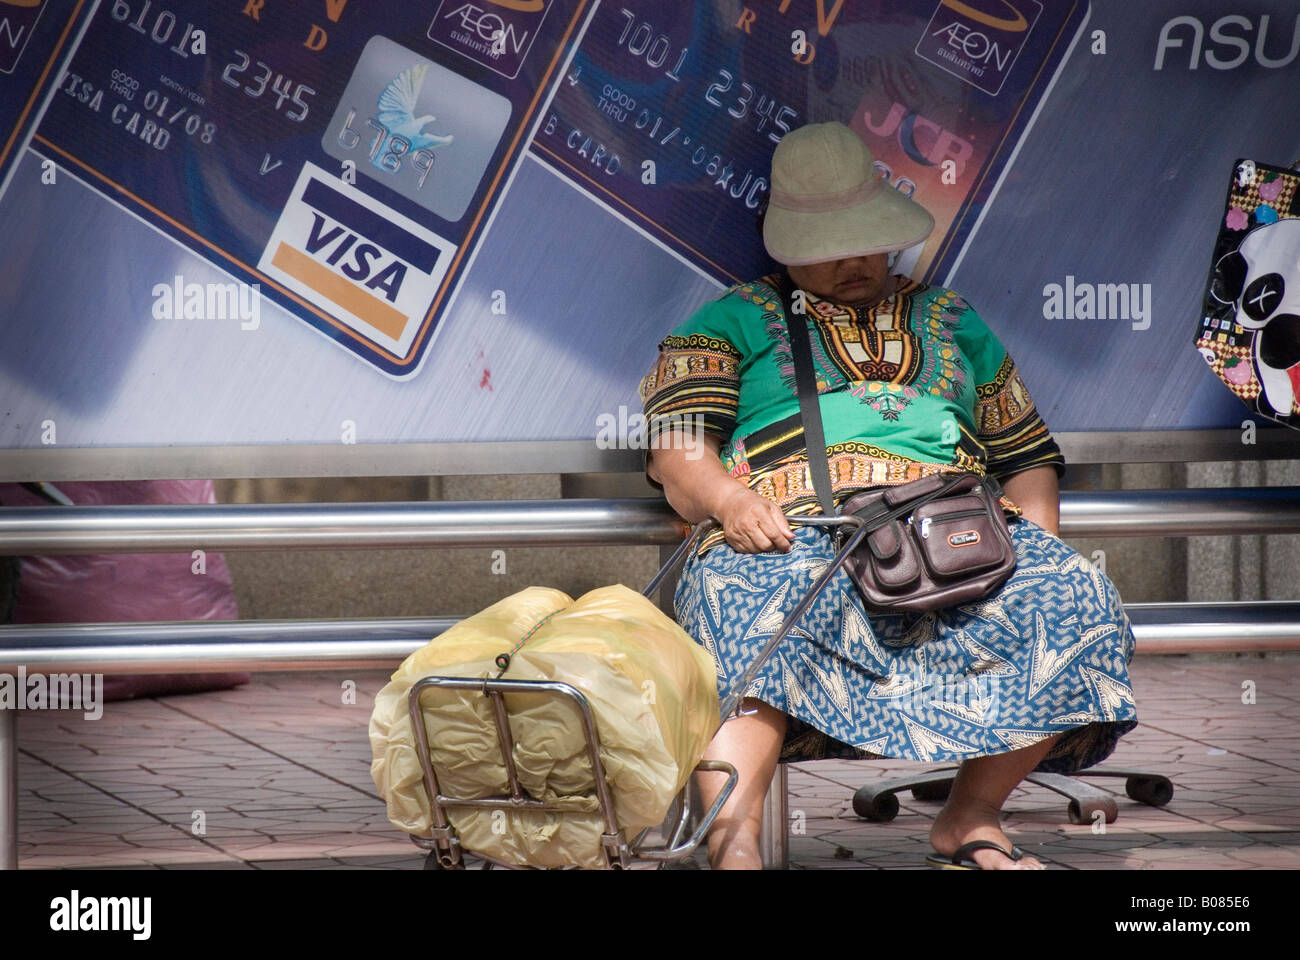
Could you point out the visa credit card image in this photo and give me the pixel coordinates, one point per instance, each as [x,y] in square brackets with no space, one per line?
[35,36]
[356,259]
[350,170]
[416,127]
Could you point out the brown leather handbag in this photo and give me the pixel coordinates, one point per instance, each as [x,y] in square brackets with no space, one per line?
[935,542]
[932,543]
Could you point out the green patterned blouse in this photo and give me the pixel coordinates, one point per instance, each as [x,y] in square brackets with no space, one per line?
[913,385]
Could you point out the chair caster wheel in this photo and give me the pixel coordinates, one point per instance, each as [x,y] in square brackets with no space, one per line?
[880,808]
[1154,790]
[935,792]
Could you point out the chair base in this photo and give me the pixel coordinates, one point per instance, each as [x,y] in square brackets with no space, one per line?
[879,802]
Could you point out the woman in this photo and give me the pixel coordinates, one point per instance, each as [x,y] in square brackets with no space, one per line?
[910,382]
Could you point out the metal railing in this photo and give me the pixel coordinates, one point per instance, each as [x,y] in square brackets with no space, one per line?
[354,644]
[217,645]
[293,526]
[558,523]
[294,645]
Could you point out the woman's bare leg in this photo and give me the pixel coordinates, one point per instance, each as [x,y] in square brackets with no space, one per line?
[752,744]
[980,788]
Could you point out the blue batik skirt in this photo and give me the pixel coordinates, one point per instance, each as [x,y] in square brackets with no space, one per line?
[1047,653]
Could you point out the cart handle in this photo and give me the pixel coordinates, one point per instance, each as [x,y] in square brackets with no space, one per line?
[708,525]
[674,850]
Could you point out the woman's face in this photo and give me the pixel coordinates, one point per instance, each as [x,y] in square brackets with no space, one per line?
[850,280]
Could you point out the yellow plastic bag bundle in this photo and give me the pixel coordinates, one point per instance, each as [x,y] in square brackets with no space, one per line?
[652,690]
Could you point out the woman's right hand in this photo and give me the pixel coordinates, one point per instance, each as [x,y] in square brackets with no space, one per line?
[699,487]
[753,523]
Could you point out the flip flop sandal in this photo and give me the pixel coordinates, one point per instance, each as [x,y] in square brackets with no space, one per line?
[960,860]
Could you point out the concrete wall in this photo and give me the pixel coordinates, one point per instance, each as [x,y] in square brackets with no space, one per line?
[1198,569]
[383,583]
[409,583]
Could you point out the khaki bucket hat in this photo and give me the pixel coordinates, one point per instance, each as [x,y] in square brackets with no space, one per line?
[827,201]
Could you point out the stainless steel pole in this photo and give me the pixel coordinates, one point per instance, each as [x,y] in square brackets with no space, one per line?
[8,790]
[181,646]
[774,829]
[176,528]
[43,531]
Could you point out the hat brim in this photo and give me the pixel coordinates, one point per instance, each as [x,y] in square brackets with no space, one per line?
[885,222]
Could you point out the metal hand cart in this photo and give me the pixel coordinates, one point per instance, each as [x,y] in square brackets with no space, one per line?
[445,850]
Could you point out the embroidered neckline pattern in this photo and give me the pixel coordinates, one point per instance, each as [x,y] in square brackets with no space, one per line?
[852,344]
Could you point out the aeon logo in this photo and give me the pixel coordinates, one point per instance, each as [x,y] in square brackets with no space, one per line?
[498,35]
[1228,49]
[979,40]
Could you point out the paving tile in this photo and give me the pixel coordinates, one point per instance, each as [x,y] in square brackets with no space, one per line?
[291,789]
[208,865]
[1272,858]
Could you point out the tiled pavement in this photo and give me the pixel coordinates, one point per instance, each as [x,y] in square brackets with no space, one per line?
[277,776]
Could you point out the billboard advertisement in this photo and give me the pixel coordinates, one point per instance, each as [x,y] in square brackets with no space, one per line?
[390,224]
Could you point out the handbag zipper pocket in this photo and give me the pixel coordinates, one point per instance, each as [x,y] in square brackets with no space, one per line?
[925,522]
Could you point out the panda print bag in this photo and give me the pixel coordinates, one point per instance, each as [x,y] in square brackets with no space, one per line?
[1249,331]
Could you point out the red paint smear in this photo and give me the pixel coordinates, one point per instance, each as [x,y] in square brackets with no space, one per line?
[487,379]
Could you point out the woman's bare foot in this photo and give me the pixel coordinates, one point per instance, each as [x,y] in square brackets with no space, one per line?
[980,787]
[955,826]
[737,853]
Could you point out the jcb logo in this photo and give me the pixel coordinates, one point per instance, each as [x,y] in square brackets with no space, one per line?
[934,143]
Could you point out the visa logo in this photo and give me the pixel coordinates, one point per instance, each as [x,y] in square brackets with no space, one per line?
[364,257]
[360,261]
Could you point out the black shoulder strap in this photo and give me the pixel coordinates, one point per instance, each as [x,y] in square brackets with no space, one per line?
[809,406]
